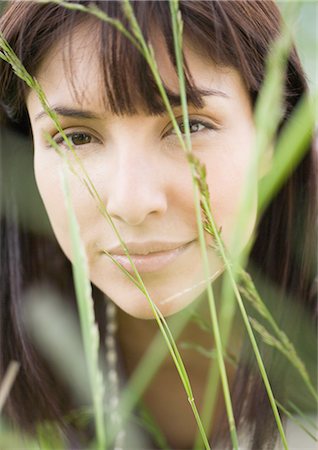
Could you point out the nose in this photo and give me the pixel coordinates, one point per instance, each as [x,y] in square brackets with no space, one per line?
[136,190]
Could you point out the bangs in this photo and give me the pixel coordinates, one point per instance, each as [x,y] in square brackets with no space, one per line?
[128,84]
[217,31]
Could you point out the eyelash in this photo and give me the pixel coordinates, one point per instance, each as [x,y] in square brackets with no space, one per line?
[207,126]
[60,140]
[192,122]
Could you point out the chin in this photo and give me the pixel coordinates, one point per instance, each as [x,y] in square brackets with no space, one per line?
[134,303]
[171,292]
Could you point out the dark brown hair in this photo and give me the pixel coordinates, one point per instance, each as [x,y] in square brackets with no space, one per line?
[237,34]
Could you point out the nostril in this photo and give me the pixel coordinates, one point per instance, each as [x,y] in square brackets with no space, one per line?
[131,212]
[135,206]
[136,190]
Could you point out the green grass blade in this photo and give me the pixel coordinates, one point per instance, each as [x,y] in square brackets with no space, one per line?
[198,173]
[291,147]
[7,382]
[297,422]
[20,70]
[281,342]
[89,328]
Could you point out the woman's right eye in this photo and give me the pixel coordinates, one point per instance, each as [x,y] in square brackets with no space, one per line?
[77,139]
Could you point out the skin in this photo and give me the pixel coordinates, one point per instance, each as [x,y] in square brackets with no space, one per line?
[143,178]
[141,173]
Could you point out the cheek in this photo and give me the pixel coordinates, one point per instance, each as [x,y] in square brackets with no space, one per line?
[181,197]
[227,177]
[48,175]
[48,181]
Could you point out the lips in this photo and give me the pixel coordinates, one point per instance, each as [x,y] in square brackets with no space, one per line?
[151,256]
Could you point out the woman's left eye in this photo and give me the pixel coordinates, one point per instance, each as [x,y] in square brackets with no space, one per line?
[195,126]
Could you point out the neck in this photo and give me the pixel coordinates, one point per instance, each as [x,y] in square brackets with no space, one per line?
[164,394]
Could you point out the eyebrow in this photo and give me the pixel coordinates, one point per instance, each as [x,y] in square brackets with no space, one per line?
[64,111]
[78,113]
[175,99]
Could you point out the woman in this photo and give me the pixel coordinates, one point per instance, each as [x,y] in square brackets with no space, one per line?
[111,110]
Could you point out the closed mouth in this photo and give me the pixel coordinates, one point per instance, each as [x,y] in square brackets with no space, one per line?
[150,256]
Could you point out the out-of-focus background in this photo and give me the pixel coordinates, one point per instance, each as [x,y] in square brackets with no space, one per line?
[306,37]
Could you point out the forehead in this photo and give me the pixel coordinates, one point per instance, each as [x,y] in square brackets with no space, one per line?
[72,71]
[72,67]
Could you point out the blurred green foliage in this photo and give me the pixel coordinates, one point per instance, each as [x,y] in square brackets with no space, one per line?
[305,34]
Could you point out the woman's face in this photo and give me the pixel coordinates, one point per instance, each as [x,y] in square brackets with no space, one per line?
[141,174]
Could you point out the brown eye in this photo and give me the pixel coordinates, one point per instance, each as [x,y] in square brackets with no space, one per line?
[80,138]
[196,126]
[77,139]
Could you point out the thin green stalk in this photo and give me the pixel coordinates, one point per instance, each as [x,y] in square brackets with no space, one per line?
[297,422]
[149,423]
[121,267]
[313,424]
[175,356]
[161,322]
[150,55]
[248,328]
[199,422]
[291,148]
[268,114]
[210,393]
[177,35]
[96,12]
[283,344]
[148,366]
[218,344]
[7,382]
[87,319]
[157,315]
[210,354]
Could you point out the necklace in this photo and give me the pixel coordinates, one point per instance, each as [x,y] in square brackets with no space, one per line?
[112,377]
